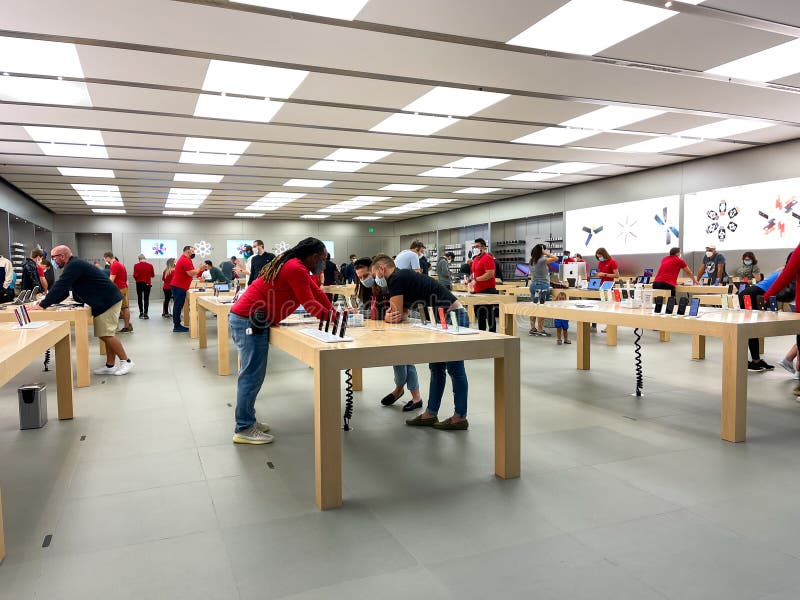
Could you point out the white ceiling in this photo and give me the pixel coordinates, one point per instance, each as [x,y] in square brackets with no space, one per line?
[145,64]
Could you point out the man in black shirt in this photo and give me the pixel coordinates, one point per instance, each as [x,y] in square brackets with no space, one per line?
[97,291]
[259,260]
[408,288]
[226,266]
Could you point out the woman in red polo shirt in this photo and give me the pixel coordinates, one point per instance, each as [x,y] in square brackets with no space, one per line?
[286,283]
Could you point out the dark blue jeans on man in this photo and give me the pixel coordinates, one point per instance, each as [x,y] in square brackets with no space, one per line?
[253,347]
[178,300]
[458,376]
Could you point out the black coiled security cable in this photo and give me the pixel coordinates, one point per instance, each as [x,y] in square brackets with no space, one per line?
[47,360]
[637,352]
[348,399]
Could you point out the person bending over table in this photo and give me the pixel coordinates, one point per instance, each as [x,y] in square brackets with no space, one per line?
[540,282]
[788,275]
[100,294]
[408,288]
[484,273]
[755,292]
[182,276]
[667,275]
[285,283]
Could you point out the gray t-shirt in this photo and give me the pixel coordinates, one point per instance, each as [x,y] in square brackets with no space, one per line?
[407,259]
[443,272]
[710,265]
[540,271]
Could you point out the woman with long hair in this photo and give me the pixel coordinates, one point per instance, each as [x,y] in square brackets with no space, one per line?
[540,283]
[282,285]
[166,287]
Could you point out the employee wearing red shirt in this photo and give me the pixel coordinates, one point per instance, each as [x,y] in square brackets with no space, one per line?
[483,282]
[607,269]
[166,286]
[143,273]
[181,280]
[667,275]
[119,275]
[286,283]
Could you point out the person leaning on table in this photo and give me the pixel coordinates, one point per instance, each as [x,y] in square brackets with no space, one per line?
[787,276]
[100,294]
[408,288]
[667,275]
[284,284]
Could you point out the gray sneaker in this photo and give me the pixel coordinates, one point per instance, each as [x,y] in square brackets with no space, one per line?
[252,435]
[787,365]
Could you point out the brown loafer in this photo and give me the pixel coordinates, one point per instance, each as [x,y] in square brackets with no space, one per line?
[449,425]
[420,421]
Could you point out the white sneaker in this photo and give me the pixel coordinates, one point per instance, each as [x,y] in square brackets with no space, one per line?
[124,367]
[786,365]
[262,427]
[252,435]
[106,370]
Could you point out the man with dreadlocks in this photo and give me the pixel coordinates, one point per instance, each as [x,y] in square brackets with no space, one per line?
[283,285]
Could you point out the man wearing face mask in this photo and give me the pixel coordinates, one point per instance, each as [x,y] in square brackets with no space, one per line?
[483,282]
[667,275]
[286,283]
[409,259]
[181,280]
[713,267]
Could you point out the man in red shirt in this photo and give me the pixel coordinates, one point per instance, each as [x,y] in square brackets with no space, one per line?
[119,275]
[667,276]
[143,273]
[483,282]
[181,280]
[286,284]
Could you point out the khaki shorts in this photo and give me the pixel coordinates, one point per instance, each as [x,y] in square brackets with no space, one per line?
[105,324]
[124,292]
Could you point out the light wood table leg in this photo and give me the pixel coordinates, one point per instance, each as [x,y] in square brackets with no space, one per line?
[191,300]
[185,311]
[508,323]
[358,381]
[734,387]
[327,437]
[223,346]
[471,314]
[664,336]
[699,347]
[202,328]
[2,536]
[611,335]
[82,350]
[507,412]
[583,345]
[64,377]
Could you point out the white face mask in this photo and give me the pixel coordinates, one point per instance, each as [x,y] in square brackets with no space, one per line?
[368,281]
[477,251]
[709,254]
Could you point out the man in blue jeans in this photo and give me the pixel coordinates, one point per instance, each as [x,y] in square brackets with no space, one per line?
[408,288]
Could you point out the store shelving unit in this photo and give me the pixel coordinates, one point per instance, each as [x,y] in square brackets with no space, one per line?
[509,253]
[458,260]
[17,258]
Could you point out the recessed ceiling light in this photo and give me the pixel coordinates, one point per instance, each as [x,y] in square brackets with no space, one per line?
[569,167]
[419,205]
[252,80]
[474,162]
[244,214]
[531,176]
[724,128]
[366,218]
[314,216]
[402,187]
[337,166]
[356,155]
[454,101]
[659,144]
[177,213]
[198,178]
[109,211]
[274,201]
[188,193]
[341,9]
[206,151]
[554,136]
[77,172]
[408,124]
[44,91]
[37,57]
[446,172]
[98,195]
[354,203]
[318,183]
[62,141]
[477,190]
[612,117]
[770,64]
[236,109]
[590,26]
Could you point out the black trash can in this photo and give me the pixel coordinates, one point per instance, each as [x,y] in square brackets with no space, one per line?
[32,406]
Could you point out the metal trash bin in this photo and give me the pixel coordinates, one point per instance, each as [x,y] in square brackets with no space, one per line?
[32,406]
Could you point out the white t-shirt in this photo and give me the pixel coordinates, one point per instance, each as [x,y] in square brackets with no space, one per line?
[407,259]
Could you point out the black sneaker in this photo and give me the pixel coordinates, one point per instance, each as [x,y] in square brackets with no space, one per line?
[766,365]
[756,366]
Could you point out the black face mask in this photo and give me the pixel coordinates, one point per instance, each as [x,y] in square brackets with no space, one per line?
[192,255]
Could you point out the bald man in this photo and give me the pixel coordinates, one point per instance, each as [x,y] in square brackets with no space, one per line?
[96,290]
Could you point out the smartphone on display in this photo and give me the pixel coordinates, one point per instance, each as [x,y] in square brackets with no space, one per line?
[748,302]
[328,321]
[730,288]
[335,323]
[742,287]
[431,315]
[670,305]
[343,327]
[694,307]
[617,297]
[724,301]
[773,304]
[682,303]
[658,303]
[442,318]
[454,321]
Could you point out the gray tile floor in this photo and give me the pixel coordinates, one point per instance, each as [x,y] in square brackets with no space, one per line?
[619,497]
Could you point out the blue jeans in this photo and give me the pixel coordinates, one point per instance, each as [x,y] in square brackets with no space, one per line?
[406,375]
[178,300]
[539,289]
[458,375]
[253,350]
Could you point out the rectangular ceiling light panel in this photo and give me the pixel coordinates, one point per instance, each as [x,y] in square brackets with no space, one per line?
[314,216]
[316,183]
[590,26]
[252,80]
[402,187]
[770,64]
[186,197]
[446,172]
[367,218]
[236,109]
[44,91]
[354,203]
[659,144]
[554,136]
[204,151]
[37,57]
[356,155]
[61,141]
[77,172]
[531,176]
[109,211]
[477,190]
[612,117]
[198,177]
[248,214]
[338,9]
[177,213]
[408,124]
[99,195]
[274,201]
[474,162]
[454,101]
[569,167]
[724,128]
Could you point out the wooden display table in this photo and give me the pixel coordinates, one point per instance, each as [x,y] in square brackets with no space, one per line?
[221,310]
[505,288]
[341,290]
[469,301]
[190,307]
[18,349]
[733,327]
[202,283]
[79,317]
[701,289]
[380,344]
